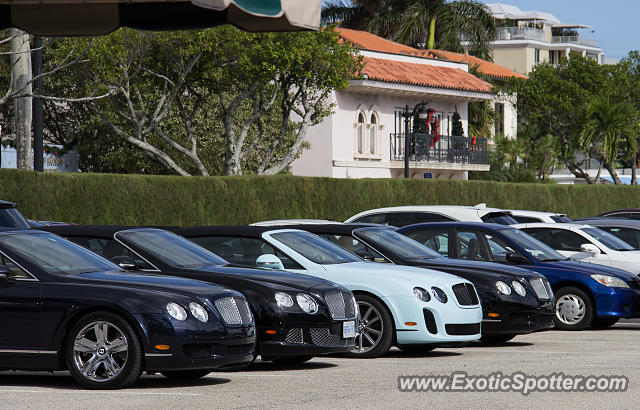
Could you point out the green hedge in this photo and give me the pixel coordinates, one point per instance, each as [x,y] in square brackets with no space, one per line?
[168,200]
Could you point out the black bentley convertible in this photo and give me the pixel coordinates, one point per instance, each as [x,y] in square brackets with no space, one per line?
[297,316]
[514,300]
[63,307]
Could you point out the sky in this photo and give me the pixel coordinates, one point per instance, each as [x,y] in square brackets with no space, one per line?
[616,22]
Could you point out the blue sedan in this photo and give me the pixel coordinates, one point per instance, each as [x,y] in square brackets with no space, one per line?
[586,294]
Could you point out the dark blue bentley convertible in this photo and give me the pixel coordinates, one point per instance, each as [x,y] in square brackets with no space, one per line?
[586,294]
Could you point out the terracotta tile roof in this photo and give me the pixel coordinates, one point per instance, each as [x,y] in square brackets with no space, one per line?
[423,74]
[368,41]
[484,67]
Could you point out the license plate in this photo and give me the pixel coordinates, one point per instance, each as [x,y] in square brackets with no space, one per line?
[349,329]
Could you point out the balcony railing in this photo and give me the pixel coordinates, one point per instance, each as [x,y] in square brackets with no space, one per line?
[586,41]
[520,33]
[449,149]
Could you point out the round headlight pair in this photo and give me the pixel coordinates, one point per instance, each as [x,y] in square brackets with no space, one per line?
[421,294]
[305,301]
[505,289]
[179,313]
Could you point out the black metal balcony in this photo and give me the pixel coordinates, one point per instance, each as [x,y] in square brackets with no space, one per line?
[448,149]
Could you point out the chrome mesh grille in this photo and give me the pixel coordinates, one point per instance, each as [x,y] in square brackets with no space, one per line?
[294,336]
[465,294]
[341,305]
[539,287]
[322,337]
[234,310]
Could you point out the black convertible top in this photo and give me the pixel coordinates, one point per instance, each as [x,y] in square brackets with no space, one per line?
[101,231]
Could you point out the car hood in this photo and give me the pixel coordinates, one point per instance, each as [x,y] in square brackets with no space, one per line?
[158,283]
[272,278]
[384,271]
[587,268]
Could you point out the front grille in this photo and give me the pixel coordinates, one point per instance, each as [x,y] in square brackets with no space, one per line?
[466,294]
[341,305]
[463,329]
[430,321]
[205,350]
[539,287]
[234,310]
[322,337]
[294,336]
[198,350]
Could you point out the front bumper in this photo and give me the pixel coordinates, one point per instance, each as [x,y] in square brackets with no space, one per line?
[617,302]
[513,314]
[194,345]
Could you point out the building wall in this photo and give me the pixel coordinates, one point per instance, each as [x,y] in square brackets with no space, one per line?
[514,58]
[333,142]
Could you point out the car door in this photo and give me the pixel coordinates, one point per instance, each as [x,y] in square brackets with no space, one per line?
[488,247]
[437,239]
[19,314]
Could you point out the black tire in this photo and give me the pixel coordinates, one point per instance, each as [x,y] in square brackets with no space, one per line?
[129,360]
[567,296]
[417,348]
[185,374]
[384,340]
[291,361]
[603,322]
[496,339]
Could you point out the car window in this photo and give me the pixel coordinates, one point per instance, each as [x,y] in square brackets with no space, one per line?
[243,251]
[436,239]
[353,245]
[621,215]
[558,239]
[635,215]
[409,218]
[629,235]
[498,248]
[471,246]
[314,248]
[561,219]
[16,271]
[526,219]
[608,240]
[110,248]
[12,218]
[372,219]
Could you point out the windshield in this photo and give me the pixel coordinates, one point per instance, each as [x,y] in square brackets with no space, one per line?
[314,248]
[396,243]
[12,218]
[534,247]
[499,218]
[54,254]
[171,249]
[609,240]
[561,219]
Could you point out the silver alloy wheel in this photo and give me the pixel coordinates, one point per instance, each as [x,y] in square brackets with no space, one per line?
[370,328]
[100,351]
[570,309]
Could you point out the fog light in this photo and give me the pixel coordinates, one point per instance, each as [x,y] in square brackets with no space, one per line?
[493,314]
[410,323]
[162,347]
[270,332]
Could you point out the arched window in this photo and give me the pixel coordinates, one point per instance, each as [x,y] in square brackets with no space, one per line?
[360,141]
[373,134]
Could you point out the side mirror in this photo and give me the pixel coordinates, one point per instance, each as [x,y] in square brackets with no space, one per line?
[125,262]
[590,249]
[269,261]
[516,259]
[4,276]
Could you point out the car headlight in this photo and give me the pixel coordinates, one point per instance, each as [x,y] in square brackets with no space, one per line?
[503,288]
[520,290]
[176,311]
[283,299]
[421,294]
[439,294]
[199,312]
[610,281]
[307,303]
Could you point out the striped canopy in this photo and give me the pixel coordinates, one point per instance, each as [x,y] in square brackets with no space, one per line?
[97,17]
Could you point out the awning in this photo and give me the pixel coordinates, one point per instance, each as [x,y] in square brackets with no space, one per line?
[97,17]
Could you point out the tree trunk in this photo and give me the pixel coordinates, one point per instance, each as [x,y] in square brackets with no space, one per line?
[612,171]
[431,42]
[634,169]
[22,76]
[599,173]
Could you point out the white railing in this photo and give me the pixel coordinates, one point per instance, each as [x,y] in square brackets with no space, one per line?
[520,33]
[587,41]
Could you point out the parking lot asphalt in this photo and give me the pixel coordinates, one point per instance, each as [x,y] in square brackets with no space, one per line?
[334,382]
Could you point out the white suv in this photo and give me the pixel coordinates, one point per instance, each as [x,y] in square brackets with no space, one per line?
[409,215]
[526,217]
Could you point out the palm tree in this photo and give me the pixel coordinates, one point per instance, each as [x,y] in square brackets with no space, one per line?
[420,23]
[608,128]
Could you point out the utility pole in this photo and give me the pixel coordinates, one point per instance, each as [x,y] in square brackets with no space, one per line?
[38,141]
